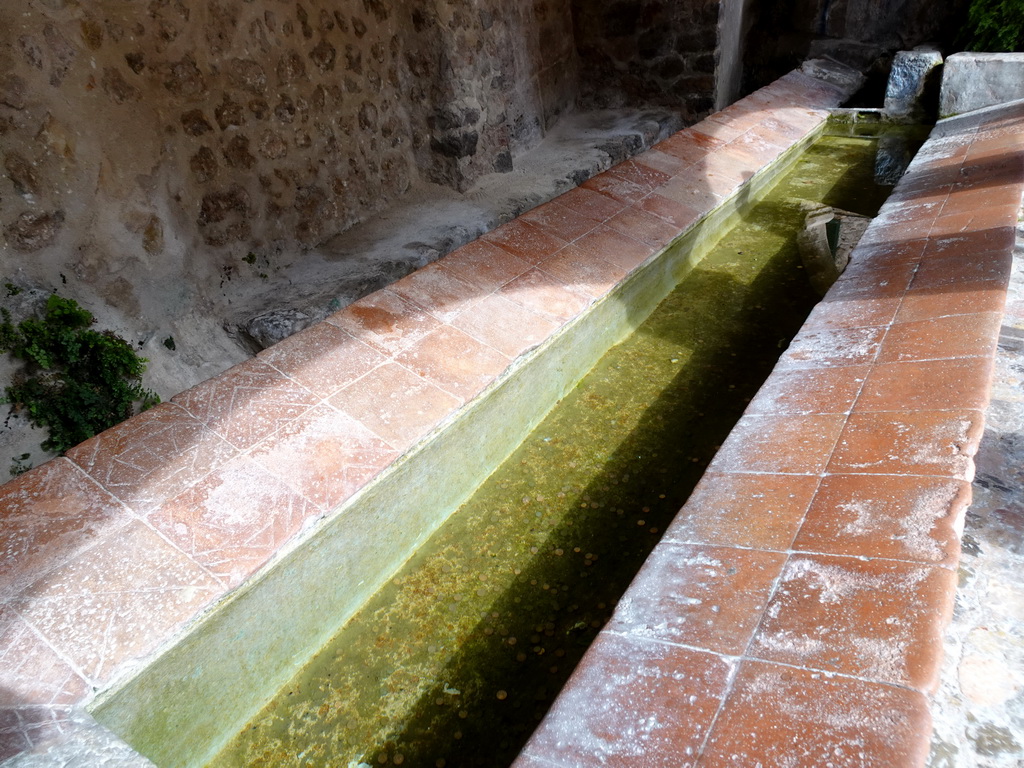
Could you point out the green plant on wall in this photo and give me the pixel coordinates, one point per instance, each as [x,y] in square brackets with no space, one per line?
[995,25]
[77,381]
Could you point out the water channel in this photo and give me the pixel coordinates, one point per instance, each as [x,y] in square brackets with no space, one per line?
[455,661]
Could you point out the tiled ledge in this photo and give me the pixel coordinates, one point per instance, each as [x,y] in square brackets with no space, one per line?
[113,551]
[792,614]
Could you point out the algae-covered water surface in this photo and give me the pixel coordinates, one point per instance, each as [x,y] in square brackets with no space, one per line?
[458,657]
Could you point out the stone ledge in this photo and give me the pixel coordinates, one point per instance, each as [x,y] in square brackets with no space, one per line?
[117,549]
[793,612]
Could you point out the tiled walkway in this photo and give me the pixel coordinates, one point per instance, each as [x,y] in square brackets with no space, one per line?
[793,613]
[821,632]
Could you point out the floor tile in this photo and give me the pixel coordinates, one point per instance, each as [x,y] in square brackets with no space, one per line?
[325,455]
[247,403]
[680,216]
[234,520]
[874,619]
[671,693]
[964,299]
[559,221]
[616,188]
[892,516]
[645,227]
[979,219]
[780,716]
[138,590]
[690,191]
[591,204]
[703,597]
[955,269]
[438,292]
[27,726]
[454,361]
[158,453]
[690,146]
[853,311]
[582,272]
[941,338]
[31,673]
[641,174]
[812,390]
[323,358]
[508,327]
[47,516]
[610,245]
[385,321]
[928,386]
[525,241]
[756,511]
[831,347]
[396,404]
[657,160]
[884,254]
[484,266]
[779,444]
[545,294]
[939,443]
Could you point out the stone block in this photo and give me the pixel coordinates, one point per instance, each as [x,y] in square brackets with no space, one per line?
[975,80]
[912,80]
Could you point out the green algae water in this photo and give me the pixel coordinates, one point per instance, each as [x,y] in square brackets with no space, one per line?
[455,661]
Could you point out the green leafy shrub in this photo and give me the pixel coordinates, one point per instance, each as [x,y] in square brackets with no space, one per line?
[995,25]
[78,381]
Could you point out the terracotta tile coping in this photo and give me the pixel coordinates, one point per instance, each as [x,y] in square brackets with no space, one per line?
[792,613]
[115,549]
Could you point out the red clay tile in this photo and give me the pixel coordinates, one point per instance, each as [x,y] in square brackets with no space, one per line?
[691,190]
[396,404]
[545,295]
[660,161]
[27,726]
[323,358]
[959,269]
[813,390]
[560,221]
[670,693]
[873,279]
[525,241]
[891,516]
[31,673]
[645,227]
[484,266]
[641,174]
[703,597]
[47,516]
[454,361]
[866,257]
[615,187]
[117,601]
[942,338]
[944,301]
[979,219]
[591,204]
[582,272]
[779,716]
[756,511]
[858,310]
[721,128]
[680,216]
[508,327]
[439,292]
[234,520]
[689,146]
[831,347]
[939,443]
[152,456]
[610,245]
[779,444]
[247,403]
[385,321]
[932,386]
[874,619]
[326,456]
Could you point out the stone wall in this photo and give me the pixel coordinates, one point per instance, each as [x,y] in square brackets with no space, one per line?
[655,51]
